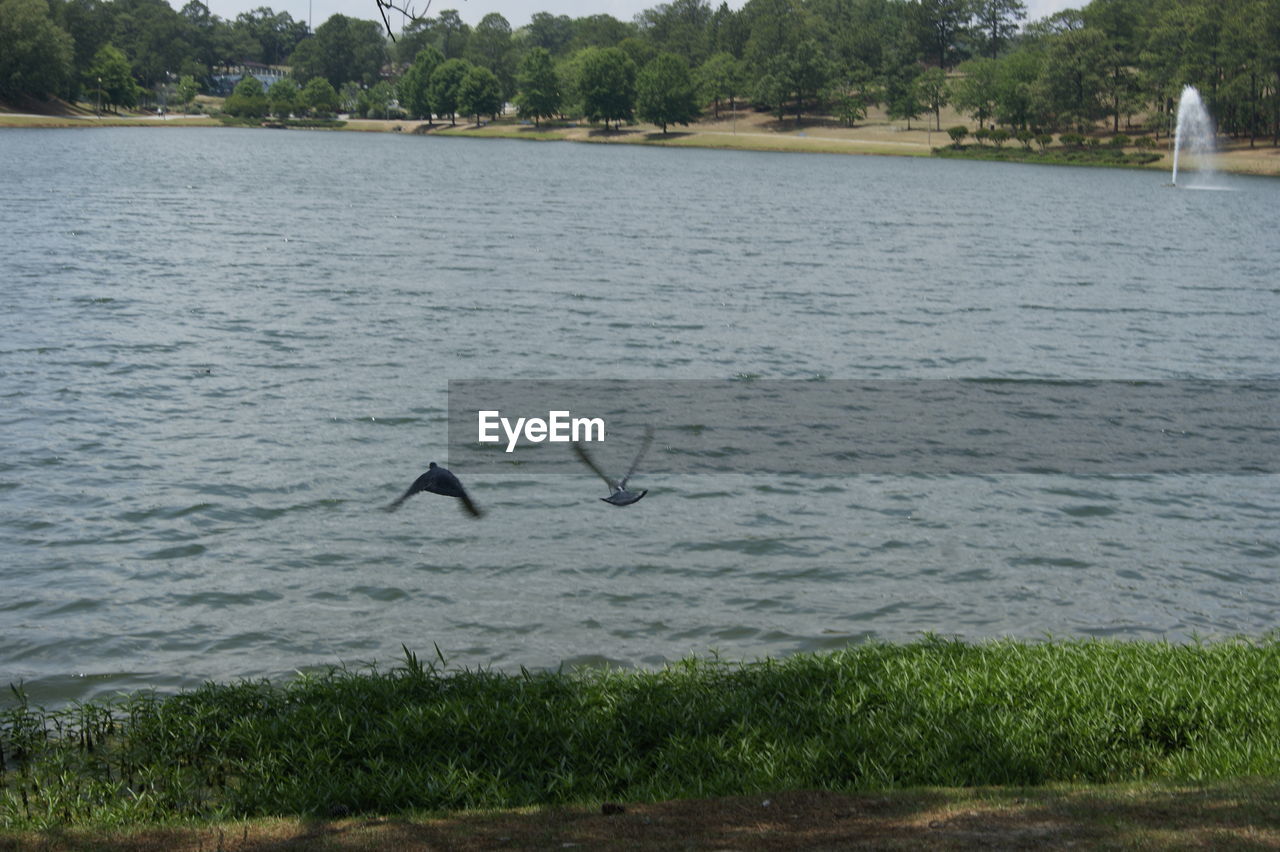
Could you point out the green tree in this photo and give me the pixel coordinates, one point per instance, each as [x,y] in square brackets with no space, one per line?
[452,34]
[89,23]
[681,27]
[538,86]
[997,21]
[276,34]
[319,97]
[342,49]
[720,78]
[445,83]
[1013,88]
[599,31]
[479,93]
[664,92]
[931,90]
[284,98]
[375,102]
[415,84]
[550,32]
[35,53]
[639,51]
[807,72]
[1117,20]
[490,46]
[901,95]
[111,79]
[974,92]
[775,29]
[945,24]
[187,91]
[607,85]
[247,99]
[1072,78]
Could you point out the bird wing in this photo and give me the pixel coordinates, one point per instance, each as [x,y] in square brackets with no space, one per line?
[586,459]
[644,448]
[472,508]
[419,484]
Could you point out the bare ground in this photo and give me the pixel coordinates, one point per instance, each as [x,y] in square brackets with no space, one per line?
[1225,815]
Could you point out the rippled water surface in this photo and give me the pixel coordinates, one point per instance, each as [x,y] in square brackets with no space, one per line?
[224,350]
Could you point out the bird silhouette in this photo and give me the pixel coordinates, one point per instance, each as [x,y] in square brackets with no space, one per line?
[619,495]
[438,480]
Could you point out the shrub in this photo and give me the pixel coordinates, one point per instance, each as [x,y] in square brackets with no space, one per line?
[1120,140]
[247,100]
[1044,140]
[999,136]
[957,134]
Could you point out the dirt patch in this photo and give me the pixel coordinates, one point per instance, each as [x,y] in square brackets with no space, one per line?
[1240,815]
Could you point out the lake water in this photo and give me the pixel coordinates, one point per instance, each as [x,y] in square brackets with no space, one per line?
[224,351]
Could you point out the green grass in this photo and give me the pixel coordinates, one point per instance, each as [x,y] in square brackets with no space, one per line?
[873,717]
[1098,156]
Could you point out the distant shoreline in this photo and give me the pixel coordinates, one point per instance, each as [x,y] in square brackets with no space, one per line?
[741,130]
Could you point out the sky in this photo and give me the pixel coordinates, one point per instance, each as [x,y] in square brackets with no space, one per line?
[517,12]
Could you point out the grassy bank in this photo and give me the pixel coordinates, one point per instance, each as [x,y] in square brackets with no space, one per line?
[875,717]
[1060,156]
[744,130]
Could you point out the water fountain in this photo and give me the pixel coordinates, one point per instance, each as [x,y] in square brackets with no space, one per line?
[1194,133]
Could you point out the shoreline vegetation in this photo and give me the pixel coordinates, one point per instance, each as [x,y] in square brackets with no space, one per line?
[938,741]
[742,129]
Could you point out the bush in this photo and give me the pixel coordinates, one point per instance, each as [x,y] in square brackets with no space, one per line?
[982,134]
[1025,137]
[247,100]
[1071,140]
[1120,140]
[1044,140]
[999,136]
[957,134]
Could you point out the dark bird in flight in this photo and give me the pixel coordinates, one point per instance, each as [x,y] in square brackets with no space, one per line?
[619,495]
[438,480]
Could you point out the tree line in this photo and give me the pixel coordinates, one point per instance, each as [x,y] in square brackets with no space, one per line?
[1113,61]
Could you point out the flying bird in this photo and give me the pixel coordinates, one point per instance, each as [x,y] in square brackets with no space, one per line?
[619,495]
[438,480]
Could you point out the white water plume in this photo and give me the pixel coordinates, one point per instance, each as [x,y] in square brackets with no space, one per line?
[1194,135]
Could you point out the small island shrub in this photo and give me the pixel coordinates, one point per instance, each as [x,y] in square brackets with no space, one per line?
[957,134]
[1025,136]
[1120,140]
[1044,140]
[982,134]
[999,136]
